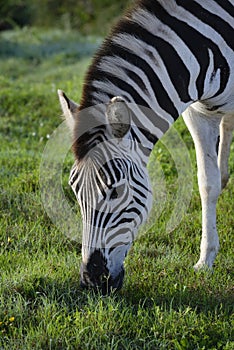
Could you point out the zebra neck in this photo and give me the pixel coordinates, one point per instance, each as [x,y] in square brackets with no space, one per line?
[156,60]
[131,64]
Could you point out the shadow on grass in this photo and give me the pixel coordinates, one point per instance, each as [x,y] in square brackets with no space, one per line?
[70,295]
[198,299]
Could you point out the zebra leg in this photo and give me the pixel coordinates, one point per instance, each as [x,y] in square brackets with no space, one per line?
[205,133]
[226,129]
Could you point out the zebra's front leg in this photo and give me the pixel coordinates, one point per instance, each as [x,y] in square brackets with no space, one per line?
[226,129]
[205,133]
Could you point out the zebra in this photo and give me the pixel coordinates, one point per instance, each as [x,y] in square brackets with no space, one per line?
[171,57]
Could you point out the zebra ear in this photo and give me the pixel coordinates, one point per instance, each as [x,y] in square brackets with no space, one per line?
[69,108]
[119,117]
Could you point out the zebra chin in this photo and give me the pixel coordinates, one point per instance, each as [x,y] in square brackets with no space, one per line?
[100,281]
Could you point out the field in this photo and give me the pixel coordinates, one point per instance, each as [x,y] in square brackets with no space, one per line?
[164,304]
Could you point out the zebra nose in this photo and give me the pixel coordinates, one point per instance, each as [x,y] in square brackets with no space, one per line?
[92,275]
[100,280]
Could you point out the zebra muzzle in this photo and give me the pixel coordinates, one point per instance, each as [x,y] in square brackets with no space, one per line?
[100,279]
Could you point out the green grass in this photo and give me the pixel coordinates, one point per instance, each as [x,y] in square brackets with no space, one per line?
[164,304]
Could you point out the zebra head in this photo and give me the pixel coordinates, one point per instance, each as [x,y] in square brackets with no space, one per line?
[111,184]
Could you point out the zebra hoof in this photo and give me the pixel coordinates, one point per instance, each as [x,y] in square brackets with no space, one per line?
[202,266]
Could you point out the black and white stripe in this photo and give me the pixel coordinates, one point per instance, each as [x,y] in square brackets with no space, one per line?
[162,57]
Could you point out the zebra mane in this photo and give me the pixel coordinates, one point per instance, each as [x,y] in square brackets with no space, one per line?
[93,72]
[82,145]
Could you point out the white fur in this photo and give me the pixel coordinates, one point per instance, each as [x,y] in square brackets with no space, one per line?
[154,25]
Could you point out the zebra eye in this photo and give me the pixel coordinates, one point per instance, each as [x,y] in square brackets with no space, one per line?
[117,192]
[114,194]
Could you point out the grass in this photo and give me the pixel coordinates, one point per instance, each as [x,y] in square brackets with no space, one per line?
[164,304]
